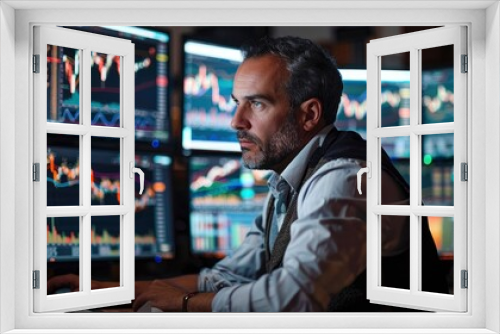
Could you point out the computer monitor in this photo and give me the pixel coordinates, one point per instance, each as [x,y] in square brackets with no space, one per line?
[225,198]
[154,232]
[208,108]
[152,118]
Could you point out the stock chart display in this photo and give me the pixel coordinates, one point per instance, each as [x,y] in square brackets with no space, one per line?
[153,209]
[151,84]
[225,198]
[208,107]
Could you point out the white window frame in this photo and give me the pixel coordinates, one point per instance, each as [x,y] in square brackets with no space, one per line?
[483,21]
[85,43]
[414,44]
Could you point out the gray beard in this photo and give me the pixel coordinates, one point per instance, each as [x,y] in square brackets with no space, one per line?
[280,146]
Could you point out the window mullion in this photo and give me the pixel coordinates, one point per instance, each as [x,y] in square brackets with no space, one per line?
[415,180]
[127,119]
[123,167]
[85,116]
[372,196]
[85,246]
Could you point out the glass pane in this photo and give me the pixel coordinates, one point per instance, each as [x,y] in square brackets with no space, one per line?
[63,249]
[105,238]
[63,170]
[395,250]
[63,84]
[437,169]
[395,90]
[437,274]
[437,85]
[105,89]
[398,150]
[105,175]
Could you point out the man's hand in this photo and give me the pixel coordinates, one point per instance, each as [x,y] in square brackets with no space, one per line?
[163,295]
[72,281]
[167,295]
[63,281]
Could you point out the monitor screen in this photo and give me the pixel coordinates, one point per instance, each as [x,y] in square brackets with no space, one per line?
[153,209]
[225,198]
[152,119]
[208,108]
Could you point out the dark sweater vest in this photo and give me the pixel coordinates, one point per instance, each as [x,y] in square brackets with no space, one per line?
[395,269]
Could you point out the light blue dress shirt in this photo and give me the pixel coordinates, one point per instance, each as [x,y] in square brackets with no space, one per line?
[327,248]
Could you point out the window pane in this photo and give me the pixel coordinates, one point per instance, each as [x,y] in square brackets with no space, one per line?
[63,170]
[441,229]
[105,89]
[437,85]
[105,175]
[63,248]
[105,238]
[395,236]
[63,84]
[395,90]
[437,169]
[398,150]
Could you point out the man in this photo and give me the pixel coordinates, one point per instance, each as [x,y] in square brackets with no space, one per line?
[307,251]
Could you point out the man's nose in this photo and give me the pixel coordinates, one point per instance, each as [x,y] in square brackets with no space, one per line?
[239,120]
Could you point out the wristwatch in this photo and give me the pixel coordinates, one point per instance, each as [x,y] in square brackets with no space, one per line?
[186,298]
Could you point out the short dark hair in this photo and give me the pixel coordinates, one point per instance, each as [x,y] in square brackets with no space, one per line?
[313,72]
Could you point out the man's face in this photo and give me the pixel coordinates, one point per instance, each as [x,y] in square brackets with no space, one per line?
[266,127]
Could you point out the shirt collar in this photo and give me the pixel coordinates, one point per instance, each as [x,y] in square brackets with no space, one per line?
[296,168]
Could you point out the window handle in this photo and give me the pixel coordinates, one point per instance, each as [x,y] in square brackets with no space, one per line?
[366,170]
[141,175]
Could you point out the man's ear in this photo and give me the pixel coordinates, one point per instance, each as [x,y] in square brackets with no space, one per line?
[311,113]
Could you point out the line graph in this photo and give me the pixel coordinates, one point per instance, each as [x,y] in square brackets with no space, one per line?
[224,182]
[215,173]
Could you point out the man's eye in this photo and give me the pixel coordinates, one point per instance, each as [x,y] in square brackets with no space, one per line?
[257,104]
